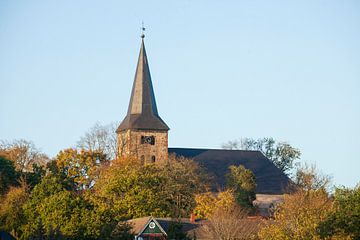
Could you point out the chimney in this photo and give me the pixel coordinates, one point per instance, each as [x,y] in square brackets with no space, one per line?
[192,218]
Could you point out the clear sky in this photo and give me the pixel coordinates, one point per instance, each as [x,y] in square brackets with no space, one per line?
[221,70]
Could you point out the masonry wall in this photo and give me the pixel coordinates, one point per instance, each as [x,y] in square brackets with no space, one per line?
[129,144]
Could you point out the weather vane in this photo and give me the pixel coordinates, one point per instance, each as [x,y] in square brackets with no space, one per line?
[142,30]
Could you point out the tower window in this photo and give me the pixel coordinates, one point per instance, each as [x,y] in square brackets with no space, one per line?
[152,159]
[148,140]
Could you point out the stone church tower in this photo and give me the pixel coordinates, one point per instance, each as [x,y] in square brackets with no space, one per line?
[142,133]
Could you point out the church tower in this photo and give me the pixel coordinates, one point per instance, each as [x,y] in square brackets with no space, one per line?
[142,133]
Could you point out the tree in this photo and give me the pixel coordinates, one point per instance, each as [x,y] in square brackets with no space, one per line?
[242,181]
[175,231]
[11,214]
[82,167]
[282,154]
[8,175]
[208,203]
[54,212]
[344,219]
[308,177]
[184,179]
[133,190]
[100,138]
[303,210]
[136,190]
[23,153]
[231,223]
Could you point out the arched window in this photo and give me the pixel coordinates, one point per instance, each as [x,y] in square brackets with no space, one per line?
[152,159]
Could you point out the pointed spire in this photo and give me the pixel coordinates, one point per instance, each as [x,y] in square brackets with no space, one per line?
[142,112]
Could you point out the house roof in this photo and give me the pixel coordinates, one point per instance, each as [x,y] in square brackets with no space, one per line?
[142,112]
[139,224]
[199,228]
[269,179]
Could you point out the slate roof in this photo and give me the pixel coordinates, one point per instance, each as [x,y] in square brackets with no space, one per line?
[142,112]
[269,179]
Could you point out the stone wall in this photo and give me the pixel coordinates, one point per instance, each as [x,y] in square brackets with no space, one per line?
[129,144]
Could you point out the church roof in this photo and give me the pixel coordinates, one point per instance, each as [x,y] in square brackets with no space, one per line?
[142,112]
[269,179]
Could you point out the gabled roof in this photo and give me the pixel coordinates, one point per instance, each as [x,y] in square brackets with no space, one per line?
[142,112]
[198,229]
[269,179]
[141,224]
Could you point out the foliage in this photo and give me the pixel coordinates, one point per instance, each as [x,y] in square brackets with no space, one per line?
[23,153]
[11,214]
[55,212]
[304,210]
[242,181]
[282,154]
[231,223]
[309,178]
[184,179]
[100,138]
[207,203]
[344,219]
[299,216]
[8,175]
[133,190]
[175,231]
[35,176]
[136,190]
[82,167]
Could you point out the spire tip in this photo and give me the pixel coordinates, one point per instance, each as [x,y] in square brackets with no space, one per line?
[142,30]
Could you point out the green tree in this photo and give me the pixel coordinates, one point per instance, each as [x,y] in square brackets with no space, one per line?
[58,213]
[344,219]
[133,190]
[282,154]
[11,213]
[136,190]
[243,182]
[8,175]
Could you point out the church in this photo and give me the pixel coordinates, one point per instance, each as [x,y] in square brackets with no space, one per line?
[144,134]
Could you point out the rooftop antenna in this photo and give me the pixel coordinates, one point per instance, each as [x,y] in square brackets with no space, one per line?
[142,30]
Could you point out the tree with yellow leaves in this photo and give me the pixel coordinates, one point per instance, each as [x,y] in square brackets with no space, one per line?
[207,203]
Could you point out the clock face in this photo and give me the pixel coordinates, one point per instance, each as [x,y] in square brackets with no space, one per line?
[152,225]
[148,140]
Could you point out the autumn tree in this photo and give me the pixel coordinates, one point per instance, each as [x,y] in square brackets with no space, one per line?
[23,153]
[11,213]
[243,183]
[308,177]
[184,179]
[207,203]
[302,211]
[100,138]
[82,167]
[231,223]
[282,154]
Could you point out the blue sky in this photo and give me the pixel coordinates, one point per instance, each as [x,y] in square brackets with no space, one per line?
[221,70]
